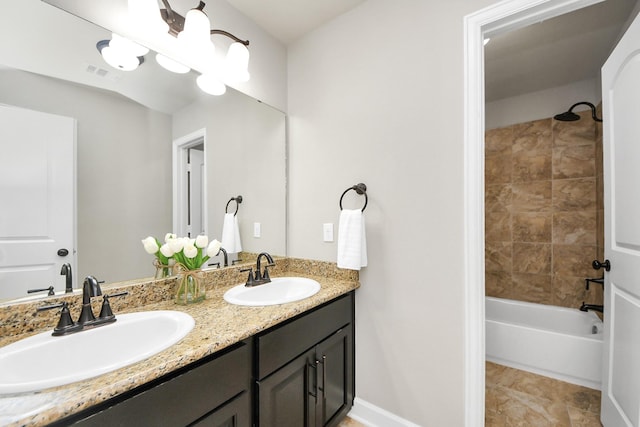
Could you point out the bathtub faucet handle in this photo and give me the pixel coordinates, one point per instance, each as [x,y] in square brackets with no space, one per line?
[599,280]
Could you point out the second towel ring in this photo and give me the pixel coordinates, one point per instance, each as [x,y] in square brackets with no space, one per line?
[360,189]
[238,200]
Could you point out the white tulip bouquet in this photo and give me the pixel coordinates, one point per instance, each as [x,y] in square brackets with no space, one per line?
[191,253]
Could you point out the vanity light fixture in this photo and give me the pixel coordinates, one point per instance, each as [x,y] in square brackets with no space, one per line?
[194,36]
[122,53]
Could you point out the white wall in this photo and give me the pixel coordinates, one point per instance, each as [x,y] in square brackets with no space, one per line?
[541,104]
[376,96]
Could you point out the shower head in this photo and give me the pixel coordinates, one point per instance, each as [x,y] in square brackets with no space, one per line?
[570,116]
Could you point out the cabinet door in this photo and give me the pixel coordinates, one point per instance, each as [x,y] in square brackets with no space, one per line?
[335,356]
[236,413]
[288,397]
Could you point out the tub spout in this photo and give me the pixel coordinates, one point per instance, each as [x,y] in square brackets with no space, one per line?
[594,307]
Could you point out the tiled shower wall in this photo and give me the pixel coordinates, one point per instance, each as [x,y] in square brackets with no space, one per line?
[543,211]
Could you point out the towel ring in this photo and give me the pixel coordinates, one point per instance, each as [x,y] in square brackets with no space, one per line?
[360,189]
[238,200]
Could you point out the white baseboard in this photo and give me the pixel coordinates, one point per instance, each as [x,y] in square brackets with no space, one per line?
[373,416]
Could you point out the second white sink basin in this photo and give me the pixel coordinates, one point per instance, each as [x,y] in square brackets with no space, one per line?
[280,290]
[43,361]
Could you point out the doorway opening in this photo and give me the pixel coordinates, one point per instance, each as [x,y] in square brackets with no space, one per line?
[190,185]
[490,22]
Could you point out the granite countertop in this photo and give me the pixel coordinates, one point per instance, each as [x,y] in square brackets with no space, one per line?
[218,325]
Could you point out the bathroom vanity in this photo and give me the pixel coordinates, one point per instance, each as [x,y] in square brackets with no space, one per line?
[290,364]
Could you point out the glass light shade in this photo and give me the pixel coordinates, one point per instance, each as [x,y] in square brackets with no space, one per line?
[119,60]
[197,27]
[211,84]
[171,65]
[126,46]
[237,63]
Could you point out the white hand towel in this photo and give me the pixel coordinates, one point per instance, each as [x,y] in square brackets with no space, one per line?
[231,234]
[352,240]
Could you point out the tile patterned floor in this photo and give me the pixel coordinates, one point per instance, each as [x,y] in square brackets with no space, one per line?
[348,422]
[515,398]
[519,398]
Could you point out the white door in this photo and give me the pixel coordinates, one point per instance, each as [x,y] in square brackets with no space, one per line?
[36,198]
[621,121]
[196,192]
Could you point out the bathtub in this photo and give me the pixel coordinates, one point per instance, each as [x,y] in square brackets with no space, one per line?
[557,342]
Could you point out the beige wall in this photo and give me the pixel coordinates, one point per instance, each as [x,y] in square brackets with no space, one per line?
[543,211]
[376,96]
[123,172]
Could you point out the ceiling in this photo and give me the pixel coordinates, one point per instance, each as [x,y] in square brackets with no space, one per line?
[566,49]
[556,52]
[552,53]
[288,20]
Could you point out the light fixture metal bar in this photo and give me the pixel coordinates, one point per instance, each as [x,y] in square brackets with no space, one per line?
[176,22]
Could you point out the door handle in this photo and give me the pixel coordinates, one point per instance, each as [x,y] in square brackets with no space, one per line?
[63,252]
[597,265]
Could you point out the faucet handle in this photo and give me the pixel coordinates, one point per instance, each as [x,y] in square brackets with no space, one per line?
[265,274]
[250,278]
[106,314]
[50,289]
[65,325]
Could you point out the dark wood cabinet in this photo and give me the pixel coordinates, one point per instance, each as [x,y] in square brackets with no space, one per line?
[316,387]
[215,391]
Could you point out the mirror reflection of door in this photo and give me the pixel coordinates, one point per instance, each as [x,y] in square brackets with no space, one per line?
[189,178]
[195,191]
[37,214]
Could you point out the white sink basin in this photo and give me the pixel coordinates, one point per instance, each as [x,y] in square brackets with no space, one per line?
[43,361]
[281,290]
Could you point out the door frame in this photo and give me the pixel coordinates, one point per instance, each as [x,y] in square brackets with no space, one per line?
[180,147]
[499,18]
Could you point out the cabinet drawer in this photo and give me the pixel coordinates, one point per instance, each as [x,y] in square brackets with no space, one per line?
[278,346]
[185,398]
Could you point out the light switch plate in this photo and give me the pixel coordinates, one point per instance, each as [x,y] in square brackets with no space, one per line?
[327,232]
[257,229]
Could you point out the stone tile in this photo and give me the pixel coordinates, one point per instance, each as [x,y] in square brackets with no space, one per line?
[600,229]
[575,228]
[532,137]
[498,256]
[569,291]
[574,194]
[580,132]
[531,226]
[493,373]
[531,166]
[498,141]
[350,422]
[574,161]
[580,418]
[531,287]
[533,258]
[498,284]
[532,197]
[497,198]
[497,169]
[522,409]
[573,260]
[497,227]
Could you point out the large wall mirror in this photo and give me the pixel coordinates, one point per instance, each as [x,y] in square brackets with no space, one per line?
[126,125]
